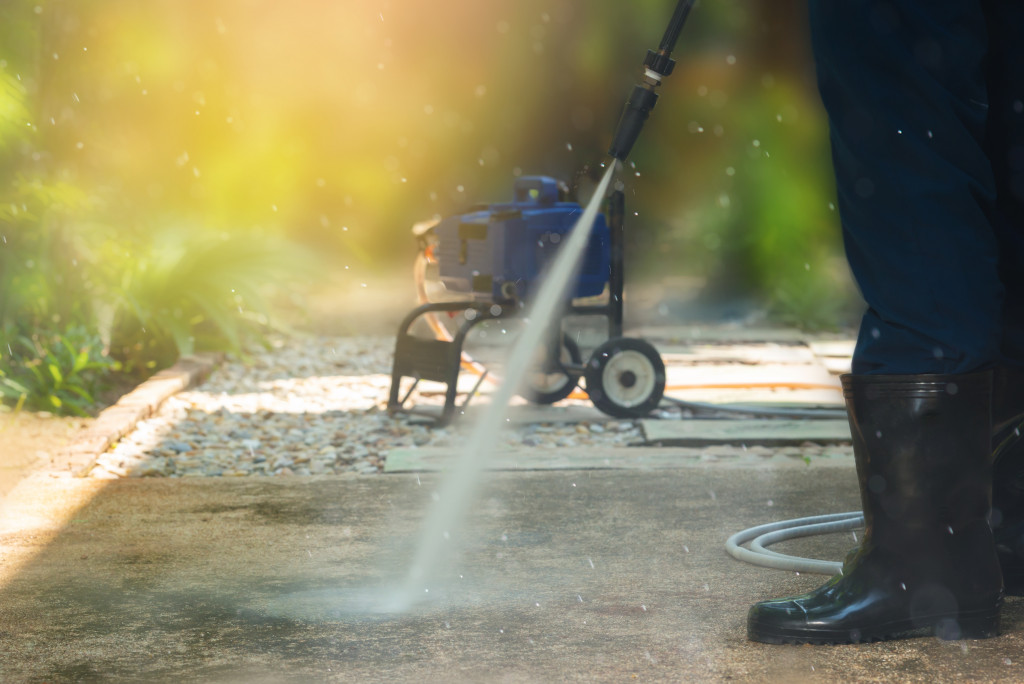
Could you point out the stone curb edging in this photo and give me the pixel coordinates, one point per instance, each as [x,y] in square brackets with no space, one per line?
[118,420]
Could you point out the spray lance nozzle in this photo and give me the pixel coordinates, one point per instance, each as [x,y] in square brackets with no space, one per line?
[657,65]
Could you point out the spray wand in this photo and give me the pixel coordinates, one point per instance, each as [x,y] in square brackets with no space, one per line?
[658,65]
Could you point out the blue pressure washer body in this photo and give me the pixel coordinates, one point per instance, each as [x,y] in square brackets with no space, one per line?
[499,253]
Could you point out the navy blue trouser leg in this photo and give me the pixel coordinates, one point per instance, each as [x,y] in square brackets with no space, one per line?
[1005,146]
[914,90]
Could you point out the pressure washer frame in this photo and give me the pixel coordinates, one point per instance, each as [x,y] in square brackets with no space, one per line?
[441,360]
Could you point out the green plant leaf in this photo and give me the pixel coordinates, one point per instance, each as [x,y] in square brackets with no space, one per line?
[81,361]
[58,377]
[82,393]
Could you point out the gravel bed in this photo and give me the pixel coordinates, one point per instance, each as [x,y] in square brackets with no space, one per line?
[307,406]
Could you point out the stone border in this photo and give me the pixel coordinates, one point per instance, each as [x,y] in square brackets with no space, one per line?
[118,420]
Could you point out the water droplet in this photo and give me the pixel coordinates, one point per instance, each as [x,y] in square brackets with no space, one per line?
[730,60]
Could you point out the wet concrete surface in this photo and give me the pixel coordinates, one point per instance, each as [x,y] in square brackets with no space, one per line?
[563,576]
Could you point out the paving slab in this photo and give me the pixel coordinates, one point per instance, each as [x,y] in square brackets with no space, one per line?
[734,353]
[434,459]
[718,334]
[762,432]
[833,348]
[562,576]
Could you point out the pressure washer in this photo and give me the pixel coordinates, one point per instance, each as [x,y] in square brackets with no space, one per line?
[494,256]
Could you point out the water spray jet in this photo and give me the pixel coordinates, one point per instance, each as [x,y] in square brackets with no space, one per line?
[625,377]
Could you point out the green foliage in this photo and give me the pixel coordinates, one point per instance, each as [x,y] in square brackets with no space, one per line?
[58,372]
[186,293]
[13,113]
[47,242]
[781,237]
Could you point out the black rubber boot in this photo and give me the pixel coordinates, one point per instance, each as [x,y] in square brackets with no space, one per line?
[927,563]
[1008,475]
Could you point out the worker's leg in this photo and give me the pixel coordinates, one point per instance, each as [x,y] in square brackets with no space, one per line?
[904,85]
[1005,144]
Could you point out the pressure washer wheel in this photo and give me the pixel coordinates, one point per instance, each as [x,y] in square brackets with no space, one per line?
[550,382]
[625,377]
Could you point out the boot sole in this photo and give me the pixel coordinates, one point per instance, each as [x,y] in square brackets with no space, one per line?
[980,624]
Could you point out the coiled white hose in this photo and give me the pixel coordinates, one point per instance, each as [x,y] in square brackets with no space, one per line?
[763,536]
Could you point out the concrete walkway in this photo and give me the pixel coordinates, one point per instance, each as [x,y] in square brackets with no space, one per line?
[600,575]
[596,562]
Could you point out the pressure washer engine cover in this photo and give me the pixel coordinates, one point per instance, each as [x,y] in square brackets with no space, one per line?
[498,253]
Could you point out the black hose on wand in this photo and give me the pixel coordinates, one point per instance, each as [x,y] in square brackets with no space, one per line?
[675,26]
[657,66]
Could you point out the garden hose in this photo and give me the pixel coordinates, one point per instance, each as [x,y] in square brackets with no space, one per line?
[762,536]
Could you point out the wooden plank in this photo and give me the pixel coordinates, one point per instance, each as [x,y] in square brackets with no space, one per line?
[746,432]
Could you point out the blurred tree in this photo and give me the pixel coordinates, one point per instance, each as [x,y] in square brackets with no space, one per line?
[338,125]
